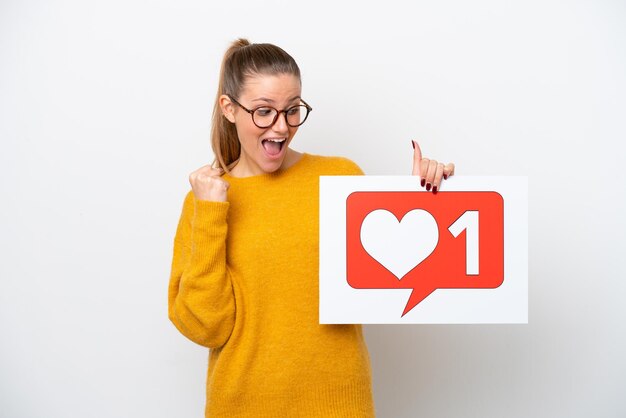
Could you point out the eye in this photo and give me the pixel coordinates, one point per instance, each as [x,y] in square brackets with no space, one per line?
[294,110]
[264,111]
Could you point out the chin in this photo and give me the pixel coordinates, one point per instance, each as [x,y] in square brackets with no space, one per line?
[270,167]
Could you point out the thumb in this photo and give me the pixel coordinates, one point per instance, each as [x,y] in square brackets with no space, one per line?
[417,158]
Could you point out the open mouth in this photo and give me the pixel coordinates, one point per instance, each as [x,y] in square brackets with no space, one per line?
[273,146]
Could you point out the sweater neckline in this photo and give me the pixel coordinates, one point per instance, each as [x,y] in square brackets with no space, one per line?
[273,175]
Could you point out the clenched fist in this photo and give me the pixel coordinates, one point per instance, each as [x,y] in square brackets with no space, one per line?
[207,184]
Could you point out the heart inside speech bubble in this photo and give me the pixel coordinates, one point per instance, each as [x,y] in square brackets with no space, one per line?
[402,245]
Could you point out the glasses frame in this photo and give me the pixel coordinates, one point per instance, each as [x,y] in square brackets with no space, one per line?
[278,112]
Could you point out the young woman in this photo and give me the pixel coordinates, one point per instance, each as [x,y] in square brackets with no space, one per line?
[244,278]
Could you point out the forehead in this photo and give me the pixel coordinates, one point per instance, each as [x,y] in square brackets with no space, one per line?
[278,88]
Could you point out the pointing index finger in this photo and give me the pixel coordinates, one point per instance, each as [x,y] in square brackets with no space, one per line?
[417,158]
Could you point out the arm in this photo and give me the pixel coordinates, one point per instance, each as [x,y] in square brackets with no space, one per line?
[201,303]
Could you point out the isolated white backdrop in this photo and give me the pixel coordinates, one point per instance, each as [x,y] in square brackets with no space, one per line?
[104,111]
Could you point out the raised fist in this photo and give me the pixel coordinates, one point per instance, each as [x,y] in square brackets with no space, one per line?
[207,184]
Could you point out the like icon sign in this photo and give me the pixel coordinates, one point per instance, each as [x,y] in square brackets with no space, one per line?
[424,242]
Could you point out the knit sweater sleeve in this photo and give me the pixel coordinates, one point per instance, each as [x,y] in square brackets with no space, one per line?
[201,302]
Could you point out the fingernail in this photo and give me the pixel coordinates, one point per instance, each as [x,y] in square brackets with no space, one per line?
[445,177]
[423,182]
[427,186]
[434,189]
[413,144]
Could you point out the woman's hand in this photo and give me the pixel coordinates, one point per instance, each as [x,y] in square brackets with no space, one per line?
[207,184]
[430,171]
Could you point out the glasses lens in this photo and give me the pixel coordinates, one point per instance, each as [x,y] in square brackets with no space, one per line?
[264,116]
[297,115]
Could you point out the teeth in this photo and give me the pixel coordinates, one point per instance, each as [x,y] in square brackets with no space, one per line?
[275,139]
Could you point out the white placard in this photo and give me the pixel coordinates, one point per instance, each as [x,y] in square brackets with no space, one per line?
[393,253]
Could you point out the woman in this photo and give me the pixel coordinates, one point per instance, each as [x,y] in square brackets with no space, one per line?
[244,279]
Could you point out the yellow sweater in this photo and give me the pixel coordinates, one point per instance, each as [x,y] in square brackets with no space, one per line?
[244,282]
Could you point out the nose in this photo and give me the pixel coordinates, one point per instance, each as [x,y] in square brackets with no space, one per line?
[280,126]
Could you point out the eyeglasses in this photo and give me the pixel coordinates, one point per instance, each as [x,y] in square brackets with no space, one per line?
[266,116]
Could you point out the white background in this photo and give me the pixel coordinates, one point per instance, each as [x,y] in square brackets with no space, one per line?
[105,110]
[340,303]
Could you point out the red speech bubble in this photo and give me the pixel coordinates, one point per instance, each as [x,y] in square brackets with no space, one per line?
[424,241]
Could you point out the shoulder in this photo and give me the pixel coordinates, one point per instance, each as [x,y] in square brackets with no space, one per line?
[335,165]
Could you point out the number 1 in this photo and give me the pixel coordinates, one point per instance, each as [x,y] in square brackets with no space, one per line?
[468,222]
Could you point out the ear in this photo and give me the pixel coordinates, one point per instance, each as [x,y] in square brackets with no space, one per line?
[228,108]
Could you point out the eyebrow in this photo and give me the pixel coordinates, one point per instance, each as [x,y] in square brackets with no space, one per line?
[265,99]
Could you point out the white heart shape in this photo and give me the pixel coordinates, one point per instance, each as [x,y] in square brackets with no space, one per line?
[399,246]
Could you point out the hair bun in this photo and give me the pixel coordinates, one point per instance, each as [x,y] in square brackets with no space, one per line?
[241,42]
